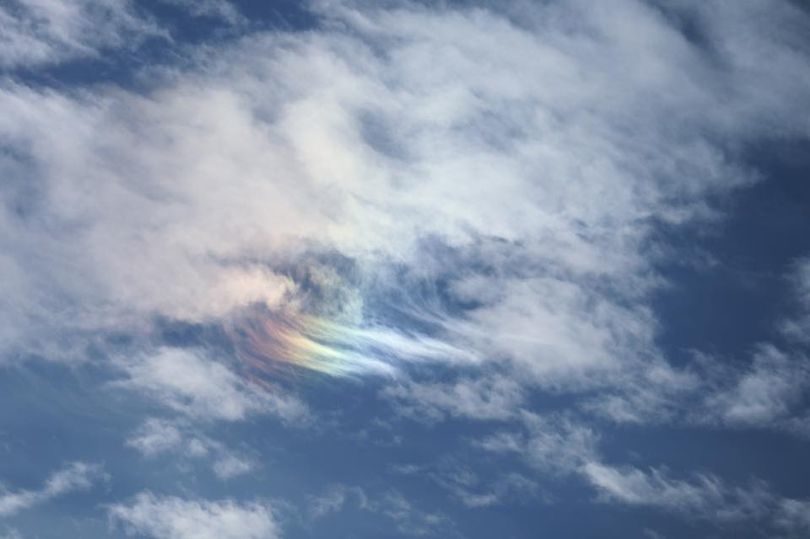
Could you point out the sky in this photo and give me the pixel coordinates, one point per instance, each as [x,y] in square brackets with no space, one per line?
[404,268]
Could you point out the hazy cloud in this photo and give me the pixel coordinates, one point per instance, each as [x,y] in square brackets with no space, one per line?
[47,32]
[188,381]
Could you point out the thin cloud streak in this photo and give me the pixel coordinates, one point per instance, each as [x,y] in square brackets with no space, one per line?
[76,476]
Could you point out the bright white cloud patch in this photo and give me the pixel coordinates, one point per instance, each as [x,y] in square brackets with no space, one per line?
[176,518]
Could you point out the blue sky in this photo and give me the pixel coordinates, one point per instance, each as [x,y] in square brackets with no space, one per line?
[355,269]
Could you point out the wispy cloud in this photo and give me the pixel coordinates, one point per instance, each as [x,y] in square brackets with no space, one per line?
[39,32]
[797,327]
[767,392]
[192,383]
[489,397]
[73,477]
[407,516]
[157,437]
[560,448]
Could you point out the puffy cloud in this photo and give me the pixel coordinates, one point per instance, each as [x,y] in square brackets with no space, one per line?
[75,476]
[166,517]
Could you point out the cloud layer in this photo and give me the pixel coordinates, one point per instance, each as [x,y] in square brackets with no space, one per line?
[469,203]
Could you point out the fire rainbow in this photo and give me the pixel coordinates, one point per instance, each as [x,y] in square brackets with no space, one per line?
[341,349]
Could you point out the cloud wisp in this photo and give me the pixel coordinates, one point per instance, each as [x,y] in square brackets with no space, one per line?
[39,32]
[156,437]
[195,385]
[73,477]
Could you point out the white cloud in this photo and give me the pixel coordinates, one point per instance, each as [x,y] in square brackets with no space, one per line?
[551,444]
[656,394]
[701,496]
[167,517]
[412,520]
[219,9]
[489,397]
[230,465]
[408,517]
[334,498]
[794,516]
[473,491]
[521,158]
[797,327]
[191,383]
[769,392]
[635,487]
[541,159]
[73,477]
[156,437]
[47,31]
[559,447]
[765,393]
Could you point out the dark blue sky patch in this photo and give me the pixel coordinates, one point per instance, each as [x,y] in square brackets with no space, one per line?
[729,280]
